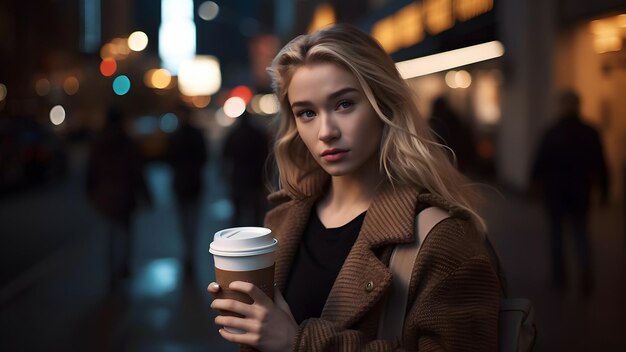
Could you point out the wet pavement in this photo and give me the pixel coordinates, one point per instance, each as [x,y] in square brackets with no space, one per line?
[55,280]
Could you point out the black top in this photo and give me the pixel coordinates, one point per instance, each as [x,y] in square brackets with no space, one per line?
[315,267]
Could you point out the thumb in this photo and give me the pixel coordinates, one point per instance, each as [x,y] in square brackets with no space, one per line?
[214,289]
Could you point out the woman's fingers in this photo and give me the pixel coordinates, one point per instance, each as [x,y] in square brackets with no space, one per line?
[246,339]
[258,310]
[244,287]
[232,305]
[268,325]
[247,325]
[251,290]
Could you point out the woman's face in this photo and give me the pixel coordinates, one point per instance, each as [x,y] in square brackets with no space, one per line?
[335,120]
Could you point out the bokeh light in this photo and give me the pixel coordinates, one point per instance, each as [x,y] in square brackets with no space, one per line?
[323,16]
[169,122]
[607,42]
[108,51]
[57,115]
[254,106]
[158,278]
[222,119]
[458,79]
[3,91]
[121,47]
[160,78]
[208,10]
[42,87]
[234,107]
[200,76]
[463,79]
[145,125]
[147,78]
[108,67]
[121,85]
[451,79]
[177,34]
[268,104]
[243,92]
[137,41]
[200,101]
[601,27]
[71,85]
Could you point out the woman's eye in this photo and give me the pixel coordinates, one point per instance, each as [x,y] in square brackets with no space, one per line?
[344,105]
[306,114]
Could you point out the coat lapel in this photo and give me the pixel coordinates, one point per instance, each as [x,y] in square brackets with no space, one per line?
[288,224]
[363,278]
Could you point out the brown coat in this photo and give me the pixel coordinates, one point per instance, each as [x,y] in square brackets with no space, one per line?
[454,292]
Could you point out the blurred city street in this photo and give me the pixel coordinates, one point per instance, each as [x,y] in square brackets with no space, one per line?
[148,114]
[59,301]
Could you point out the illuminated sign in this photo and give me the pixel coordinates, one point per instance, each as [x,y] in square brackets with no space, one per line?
[408,25]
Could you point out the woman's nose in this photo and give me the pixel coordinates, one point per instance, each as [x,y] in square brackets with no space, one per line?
[328,128]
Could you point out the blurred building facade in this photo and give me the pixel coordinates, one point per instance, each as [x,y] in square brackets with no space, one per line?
[548,46]
[51,54]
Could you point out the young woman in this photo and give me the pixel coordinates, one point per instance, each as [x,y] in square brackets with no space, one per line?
[356,164]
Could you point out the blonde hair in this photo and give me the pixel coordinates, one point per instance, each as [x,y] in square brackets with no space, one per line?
[408,153]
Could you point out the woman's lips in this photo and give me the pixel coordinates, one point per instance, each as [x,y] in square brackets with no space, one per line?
[334,154]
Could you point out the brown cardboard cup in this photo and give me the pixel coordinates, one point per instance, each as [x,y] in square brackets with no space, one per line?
[243,254]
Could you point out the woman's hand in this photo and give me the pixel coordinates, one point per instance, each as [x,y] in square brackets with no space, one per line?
[269,326]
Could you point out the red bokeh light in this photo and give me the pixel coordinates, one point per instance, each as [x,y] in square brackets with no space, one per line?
[108,67]
[242,92]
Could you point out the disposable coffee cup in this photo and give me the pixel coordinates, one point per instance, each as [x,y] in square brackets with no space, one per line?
[243,254]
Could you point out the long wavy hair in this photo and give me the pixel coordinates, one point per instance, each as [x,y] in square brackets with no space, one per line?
[408,153]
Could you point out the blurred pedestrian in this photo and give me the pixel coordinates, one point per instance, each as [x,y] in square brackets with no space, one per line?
[452,131]
[115,185]
[187,154]
[569,161]
[245,151]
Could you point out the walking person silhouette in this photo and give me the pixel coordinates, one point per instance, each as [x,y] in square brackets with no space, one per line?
[569,162]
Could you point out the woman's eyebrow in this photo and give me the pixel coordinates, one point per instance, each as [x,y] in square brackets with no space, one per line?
[342,92]
[331,96]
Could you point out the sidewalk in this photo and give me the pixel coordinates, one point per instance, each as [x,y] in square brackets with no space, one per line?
[58,299]
[566,321]
[163,310]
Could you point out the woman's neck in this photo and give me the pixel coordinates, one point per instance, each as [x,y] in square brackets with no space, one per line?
[347,197]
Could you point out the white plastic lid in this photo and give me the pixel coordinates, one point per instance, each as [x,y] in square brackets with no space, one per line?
[243,241]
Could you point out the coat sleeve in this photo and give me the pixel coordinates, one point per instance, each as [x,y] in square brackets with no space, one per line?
[461,312]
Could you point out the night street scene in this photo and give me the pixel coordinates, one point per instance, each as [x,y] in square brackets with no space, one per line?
[131,131]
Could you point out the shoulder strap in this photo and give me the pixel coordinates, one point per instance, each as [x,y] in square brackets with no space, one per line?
[401,266]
